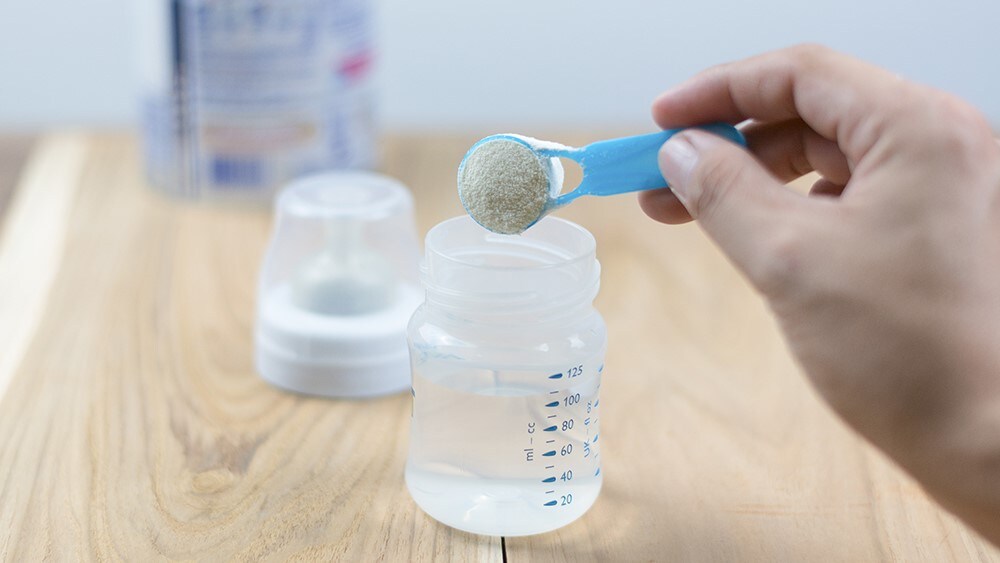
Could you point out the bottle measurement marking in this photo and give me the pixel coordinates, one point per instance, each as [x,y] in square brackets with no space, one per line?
[566,499]
[567,398]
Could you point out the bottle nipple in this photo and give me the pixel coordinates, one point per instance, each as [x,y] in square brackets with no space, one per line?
[347,278]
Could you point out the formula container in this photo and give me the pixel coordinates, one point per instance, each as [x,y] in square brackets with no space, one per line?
[507,353]
[241,96]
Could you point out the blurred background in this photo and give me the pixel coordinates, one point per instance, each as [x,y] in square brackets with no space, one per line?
[461,65]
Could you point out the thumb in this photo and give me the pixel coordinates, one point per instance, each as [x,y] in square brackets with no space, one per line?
[740,205]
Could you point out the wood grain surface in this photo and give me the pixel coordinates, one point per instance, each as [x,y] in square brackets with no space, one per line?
[14,151]
[133,426]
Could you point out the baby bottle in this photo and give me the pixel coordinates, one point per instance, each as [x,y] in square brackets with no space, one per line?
[507,352]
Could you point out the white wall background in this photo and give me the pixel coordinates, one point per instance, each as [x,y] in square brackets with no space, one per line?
[517,64]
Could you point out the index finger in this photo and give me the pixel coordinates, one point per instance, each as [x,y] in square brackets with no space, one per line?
[840,97]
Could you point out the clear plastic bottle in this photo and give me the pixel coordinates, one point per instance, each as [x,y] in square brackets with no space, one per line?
[507,353]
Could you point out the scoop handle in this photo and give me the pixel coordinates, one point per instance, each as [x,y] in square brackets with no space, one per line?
[629,164]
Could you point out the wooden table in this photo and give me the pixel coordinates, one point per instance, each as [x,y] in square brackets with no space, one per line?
[133,426]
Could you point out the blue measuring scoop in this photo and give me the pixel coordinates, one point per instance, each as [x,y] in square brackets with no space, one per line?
[610,167]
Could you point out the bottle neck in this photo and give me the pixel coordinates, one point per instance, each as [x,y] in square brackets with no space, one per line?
[513,309]
[547,274]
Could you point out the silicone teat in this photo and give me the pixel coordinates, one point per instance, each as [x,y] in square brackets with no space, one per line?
[346,278]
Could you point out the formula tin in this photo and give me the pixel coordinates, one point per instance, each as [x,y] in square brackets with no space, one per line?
[240,96]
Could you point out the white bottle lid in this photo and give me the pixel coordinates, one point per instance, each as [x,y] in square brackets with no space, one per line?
[338,287]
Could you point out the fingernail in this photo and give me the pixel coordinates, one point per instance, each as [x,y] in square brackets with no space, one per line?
[677,159]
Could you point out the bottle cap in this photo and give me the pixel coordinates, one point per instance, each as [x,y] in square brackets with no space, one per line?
[338,287]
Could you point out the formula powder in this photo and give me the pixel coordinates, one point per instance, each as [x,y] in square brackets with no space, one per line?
[504,186]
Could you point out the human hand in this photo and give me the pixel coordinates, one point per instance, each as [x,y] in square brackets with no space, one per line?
[886,278]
